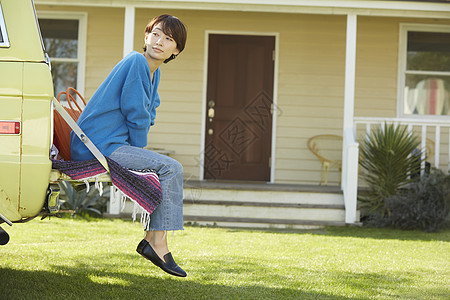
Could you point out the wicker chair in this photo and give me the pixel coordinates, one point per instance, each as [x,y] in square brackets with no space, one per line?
[429,149]
[328,149]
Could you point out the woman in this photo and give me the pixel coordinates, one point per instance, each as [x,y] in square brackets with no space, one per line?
[117,120]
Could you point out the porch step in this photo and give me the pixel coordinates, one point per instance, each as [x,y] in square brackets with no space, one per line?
[263,206]
[260,205]
[260,223]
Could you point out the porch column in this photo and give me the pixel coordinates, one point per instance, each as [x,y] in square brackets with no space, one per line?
[128,31]
[128,46]
[350,66]
[349,146]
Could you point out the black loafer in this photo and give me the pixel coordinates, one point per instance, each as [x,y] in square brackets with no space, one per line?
[168,266]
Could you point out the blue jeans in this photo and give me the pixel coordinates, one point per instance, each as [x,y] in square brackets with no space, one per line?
[169,213]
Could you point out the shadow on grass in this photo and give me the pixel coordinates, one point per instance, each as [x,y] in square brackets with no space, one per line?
[128,276]
[361,285]
[79,283]
[87,282]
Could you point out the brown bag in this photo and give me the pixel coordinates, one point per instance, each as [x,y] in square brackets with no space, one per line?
[61,136]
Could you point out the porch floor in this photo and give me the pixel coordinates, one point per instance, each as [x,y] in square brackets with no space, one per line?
[262,186]
[260,205]
[264,205]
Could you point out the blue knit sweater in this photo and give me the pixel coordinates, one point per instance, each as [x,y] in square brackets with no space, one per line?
[122,109]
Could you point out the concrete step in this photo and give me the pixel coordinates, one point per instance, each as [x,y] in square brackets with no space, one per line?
[267,206]
[264,196]
[260,205]
[260,223]
[264,211]
[263,214]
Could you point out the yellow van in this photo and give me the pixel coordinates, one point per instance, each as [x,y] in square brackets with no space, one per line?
[26,92]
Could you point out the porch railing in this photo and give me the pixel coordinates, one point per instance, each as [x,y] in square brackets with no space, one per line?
[438,131]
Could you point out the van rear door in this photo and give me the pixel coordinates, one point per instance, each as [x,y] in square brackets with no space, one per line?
[26,91]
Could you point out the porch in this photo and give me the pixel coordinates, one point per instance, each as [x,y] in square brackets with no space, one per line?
[434,132]
[263,205]
[260,205]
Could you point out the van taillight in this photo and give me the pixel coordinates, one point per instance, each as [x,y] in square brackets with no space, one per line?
[9,127]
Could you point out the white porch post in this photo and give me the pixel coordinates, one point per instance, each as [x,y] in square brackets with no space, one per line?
[128,46]
[350,147]
[114,201]
[128,32]
[350,66]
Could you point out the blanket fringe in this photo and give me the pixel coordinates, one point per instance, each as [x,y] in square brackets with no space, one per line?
[97,184]
[86,182]
[137,209]
[142,185]
[123,200]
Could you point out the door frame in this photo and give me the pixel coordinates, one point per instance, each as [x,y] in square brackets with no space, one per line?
[275,95]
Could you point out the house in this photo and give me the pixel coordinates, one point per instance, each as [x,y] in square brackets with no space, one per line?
[259,78]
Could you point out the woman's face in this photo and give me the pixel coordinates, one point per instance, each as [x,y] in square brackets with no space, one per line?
[159,45]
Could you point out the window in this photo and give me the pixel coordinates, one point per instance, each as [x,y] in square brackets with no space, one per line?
[4,42]
[63,41]
[424,76]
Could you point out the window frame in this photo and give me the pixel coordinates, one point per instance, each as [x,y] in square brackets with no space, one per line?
[5,43]
[403,44]
[81,17]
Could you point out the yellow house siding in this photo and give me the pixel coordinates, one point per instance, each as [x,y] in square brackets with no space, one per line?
[311,66]
[377,72]
[104,40]
[311,80]
[376,67]
[377,64]
[179,118]
[309,48]
[310,93]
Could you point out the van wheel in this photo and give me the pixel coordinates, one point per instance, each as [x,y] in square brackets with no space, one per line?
[4,237]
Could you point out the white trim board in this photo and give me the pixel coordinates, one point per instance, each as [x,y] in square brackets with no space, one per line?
[369,8]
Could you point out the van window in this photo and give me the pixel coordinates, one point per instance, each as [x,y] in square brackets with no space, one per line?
[4,42]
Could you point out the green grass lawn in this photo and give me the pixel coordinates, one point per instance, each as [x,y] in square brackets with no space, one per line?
[79,259]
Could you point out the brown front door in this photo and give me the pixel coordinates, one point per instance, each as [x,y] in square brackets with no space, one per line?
[239,107]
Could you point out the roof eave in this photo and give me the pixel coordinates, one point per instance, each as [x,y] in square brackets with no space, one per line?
[326,7]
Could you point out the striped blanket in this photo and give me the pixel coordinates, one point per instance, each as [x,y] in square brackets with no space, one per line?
[140,186]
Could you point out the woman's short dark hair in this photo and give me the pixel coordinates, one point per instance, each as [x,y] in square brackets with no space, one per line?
[172,27]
